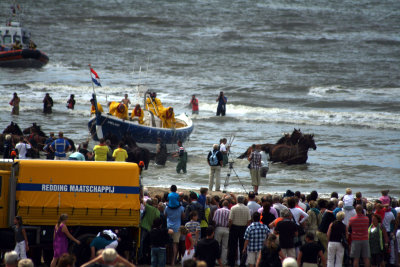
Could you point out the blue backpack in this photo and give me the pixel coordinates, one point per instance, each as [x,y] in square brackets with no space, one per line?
[213,158]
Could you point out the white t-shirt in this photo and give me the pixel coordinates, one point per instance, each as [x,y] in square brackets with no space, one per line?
[389,217]
[222,147]
[22,149]
[348,200]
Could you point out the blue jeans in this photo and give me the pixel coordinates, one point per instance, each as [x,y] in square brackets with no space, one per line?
[158,257]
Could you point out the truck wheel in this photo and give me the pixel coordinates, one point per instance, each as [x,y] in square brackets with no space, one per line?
[82,251]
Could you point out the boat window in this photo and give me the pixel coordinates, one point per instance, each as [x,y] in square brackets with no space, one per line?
[7,39]
[17,38]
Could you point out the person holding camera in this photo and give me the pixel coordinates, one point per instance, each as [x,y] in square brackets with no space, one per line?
[214,160]
[22,147]
[221,109]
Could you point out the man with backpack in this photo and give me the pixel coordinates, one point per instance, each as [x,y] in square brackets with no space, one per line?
[215,161]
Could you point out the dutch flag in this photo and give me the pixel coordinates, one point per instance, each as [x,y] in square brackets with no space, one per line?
[96,78]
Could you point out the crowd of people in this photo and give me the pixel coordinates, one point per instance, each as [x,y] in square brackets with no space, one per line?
[237,230]
[202,229]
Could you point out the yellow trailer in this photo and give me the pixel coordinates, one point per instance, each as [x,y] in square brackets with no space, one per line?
[95,195]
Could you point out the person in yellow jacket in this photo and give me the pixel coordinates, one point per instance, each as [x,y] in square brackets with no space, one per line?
[99,107]
[154,105]
[168,118]
[137,113]
[118,110]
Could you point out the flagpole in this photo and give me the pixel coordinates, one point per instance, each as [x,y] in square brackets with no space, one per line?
[99,130]
[94,92]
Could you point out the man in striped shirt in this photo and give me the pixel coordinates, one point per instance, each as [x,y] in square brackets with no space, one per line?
[221,220]
[359,234]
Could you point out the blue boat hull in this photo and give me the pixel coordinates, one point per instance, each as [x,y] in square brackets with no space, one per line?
[115,130]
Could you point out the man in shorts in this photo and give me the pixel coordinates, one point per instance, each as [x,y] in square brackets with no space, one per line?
[174,221]
[359,234]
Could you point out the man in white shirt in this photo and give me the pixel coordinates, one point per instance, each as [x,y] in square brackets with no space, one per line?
[224,150]
[22,147]
[252,204]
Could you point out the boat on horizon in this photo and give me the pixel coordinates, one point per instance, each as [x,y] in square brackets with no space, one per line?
[109,127]
[17,50]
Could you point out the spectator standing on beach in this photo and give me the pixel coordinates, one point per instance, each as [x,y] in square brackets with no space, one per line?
[194,205]
[194,103]
[254,237]
[101,151]
[71,102]
[120,153]
[7,147]
[378,241]
[22,147]
[21,240]
[310,252]
[60,242]
[194,226]
[15,104]
[271,253]
[327,219]
[337,230]
[287,231]
[255,165]
[348,206]
[224,150]
[314,219]
[11,259]
[239,219]
[221,109]
[47,104]
[174,221]
[221,221]
[359,234]
[60,146]
[208,249]
[150,214]
[159,238]
[215,161]
[252,204]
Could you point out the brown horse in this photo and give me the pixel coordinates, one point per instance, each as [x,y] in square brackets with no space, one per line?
[294,154]
[136,153]
[13,128]
[34,129]
[286,139]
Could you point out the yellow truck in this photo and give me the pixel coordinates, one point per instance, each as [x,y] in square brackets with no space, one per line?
[95,195]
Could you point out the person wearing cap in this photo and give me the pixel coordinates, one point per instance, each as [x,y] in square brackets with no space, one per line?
[194,103]
[60,147]
[118,110]
[93,109]
[215,161]
[15,104]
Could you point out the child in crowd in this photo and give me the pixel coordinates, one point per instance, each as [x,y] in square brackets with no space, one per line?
[193,226]
[385,199]
[173,198]
[189,244]
[203,196]
[21,240]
